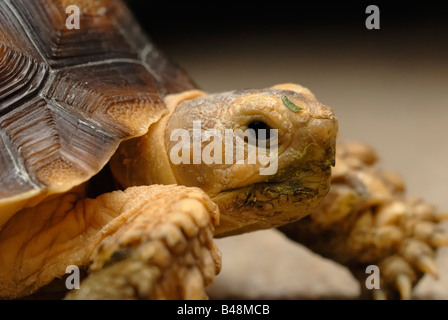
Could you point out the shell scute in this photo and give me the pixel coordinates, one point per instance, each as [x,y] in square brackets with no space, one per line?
[68,97]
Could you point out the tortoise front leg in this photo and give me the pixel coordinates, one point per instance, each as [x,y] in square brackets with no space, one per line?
[144,242]
[164,250]
[366,220]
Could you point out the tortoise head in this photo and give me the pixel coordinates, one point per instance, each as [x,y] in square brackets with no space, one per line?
[264,156]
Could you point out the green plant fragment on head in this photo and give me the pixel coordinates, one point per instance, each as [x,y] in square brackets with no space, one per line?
[290,105]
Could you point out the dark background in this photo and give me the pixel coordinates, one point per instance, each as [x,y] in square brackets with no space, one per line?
[166,21]
[425,23]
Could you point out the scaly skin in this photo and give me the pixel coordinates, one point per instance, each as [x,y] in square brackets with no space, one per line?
[166,251]
[366,219]
[145,244]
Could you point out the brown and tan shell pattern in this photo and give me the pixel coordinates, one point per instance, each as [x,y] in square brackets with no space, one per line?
[68,97]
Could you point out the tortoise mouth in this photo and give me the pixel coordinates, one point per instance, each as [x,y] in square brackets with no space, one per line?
[283,198]
[285,187]
[266,194]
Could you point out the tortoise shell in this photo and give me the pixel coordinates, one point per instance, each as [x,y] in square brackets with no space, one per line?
[68,97]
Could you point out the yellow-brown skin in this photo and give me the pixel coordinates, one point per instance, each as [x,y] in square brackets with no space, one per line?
[162,245]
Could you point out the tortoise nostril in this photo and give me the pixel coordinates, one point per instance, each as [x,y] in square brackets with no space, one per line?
[260,125]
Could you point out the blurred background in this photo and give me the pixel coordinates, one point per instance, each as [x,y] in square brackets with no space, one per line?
[388,87]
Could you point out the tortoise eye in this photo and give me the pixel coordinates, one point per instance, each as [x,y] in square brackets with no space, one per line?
[260,125]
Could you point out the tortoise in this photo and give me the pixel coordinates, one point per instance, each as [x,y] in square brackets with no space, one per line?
[88,177]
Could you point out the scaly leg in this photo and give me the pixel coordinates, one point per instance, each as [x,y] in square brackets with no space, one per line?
[149,242]
[366,220]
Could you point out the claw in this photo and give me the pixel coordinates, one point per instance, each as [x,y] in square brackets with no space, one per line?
[193,288]
[391,213]
[195,209]
[423,230]
[379,294]
[404,286]
[427,265]
[172,236]
[398,275]
[185,222]
[420,255]
[440,216]
[439,240]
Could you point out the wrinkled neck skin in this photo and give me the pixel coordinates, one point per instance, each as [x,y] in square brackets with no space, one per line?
[144,160]
[247,200]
